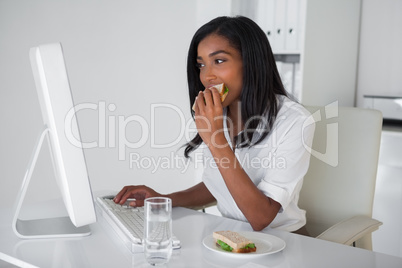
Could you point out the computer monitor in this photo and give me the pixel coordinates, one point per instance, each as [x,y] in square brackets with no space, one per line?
[55,99]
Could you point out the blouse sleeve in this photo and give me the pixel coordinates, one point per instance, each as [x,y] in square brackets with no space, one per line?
[290,159]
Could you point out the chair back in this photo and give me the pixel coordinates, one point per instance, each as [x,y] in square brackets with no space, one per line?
[340,182]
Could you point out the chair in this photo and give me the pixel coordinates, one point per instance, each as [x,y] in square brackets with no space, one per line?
[338,189]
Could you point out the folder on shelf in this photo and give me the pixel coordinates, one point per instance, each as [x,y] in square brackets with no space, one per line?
[292,25]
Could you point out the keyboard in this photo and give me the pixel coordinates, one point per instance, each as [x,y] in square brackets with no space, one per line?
[127,222]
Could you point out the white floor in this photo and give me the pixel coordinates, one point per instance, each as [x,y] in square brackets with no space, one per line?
[388,197]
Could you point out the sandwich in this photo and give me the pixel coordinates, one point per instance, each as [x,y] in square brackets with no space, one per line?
[222,90]
[233,242]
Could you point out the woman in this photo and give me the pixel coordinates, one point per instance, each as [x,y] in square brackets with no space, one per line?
[255,157]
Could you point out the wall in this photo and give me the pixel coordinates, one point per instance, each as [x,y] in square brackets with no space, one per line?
[122,57]
[329,60]
[380,54]
[380,69]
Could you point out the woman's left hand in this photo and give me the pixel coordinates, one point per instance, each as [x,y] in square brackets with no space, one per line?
[209,117]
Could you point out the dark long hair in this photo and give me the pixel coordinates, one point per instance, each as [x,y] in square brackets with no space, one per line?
[261,80]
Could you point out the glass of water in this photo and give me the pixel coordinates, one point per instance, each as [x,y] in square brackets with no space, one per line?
[158,230]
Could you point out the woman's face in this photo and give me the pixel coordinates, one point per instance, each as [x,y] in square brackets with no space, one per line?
[219,62]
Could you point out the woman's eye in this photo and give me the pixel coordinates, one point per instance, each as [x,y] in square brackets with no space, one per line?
[218,61]
[199,65]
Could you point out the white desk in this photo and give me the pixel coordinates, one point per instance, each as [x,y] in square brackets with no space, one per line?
[103,249]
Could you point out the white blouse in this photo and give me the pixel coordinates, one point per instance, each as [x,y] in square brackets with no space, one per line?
[276,166]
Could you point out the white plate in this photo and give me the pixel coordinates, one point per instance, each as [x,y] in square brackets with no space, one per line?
[265,243]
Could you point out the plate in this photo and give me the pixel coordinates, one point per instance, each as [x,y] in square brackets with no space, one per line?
[265,243]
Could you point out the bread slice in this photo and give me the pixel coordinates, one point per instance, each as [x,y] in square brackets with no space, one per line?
[222,90]
[244,250]
[234,240]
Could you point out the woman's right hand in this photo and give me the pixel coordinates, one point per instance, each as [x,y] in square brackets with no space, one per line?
[139,193]
[209,118]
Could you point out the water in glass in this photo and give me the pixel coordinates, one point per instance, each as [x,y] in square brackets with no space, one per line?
[158,230]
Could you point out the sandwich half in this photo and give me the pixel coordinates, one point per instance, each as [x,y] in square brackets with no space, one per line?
[233,242]
[222,90]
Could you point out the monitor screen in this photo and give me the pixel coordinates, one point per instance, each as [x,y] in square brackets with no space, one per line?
[55,98]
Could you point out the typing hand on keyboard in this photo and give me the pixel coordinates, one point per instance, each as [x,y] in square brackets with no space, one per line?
[129,203]
[136,193]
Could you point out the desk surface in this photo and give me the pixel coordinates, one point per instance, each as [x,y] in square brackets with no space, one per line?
[104,249]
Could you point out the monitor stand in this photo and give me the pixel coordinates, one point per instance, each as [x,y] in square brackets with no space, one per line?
[59,227]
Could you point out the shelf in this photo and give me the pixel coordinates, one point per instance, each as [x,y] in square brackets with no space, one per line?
[287,57]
